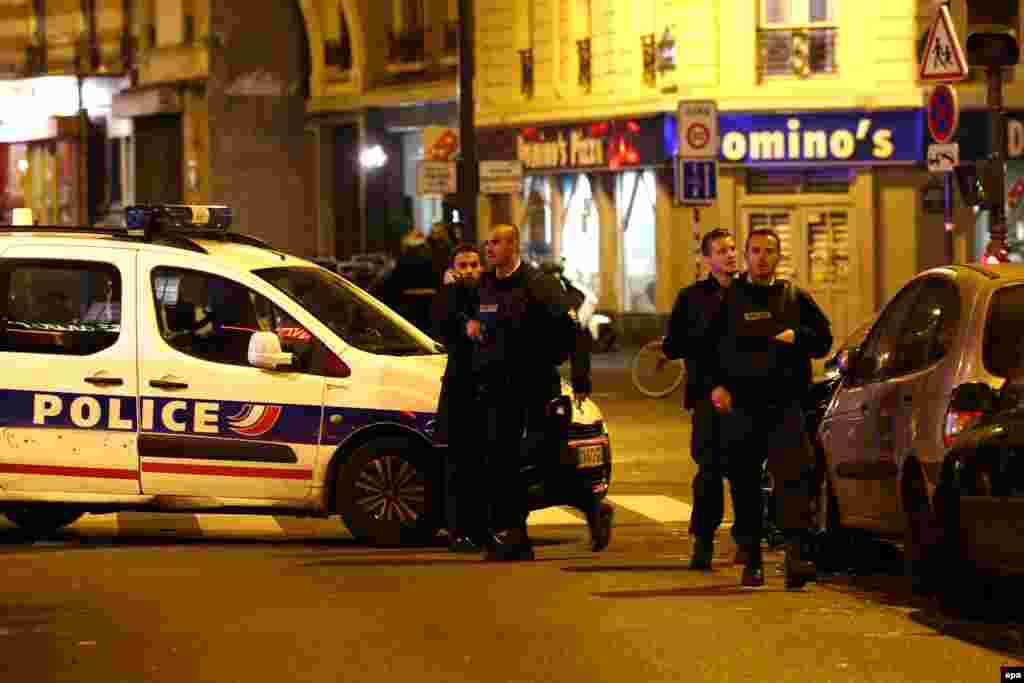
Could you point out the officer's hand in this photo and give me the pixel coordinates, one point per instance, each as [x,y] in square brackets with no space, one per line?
[473,329]
[721,399]
[450,277]
[786,337]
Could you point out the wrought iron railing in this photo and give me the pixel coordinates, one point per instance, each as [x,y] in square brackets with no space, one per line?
[801,52]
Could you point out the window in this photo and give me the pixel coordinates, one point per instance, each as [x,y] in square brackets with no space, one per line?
[213,318]
[338,50]
[357,319]
[798,37]
[60,307]
[1003,352]
[637,195]
[916,330]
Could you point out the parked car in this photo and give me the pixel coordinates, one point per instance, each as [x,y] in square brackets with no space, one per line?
[886,432]
[980,496]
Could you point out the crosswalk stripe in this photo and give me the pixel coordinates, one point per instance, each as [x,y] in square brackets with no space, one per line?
[553,517]
[631,509]
[658,508]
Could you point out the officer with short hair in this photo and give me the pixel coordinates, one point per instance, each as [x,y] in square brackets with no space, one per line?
[523,330]
[695,308]
[454,306]
[765,335]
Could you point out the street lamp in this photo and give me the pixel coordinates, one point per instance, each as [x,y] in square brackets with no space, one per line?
[373,157]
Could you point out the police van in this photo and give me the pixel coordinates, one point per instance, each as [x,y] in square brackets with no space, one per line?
[175,365]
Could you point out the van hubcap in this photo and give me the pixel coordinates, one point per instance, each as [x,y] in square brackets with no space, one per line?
[391,489]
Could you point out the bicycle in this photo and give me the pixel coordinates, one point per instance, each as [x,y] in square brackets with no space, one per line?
[654,374]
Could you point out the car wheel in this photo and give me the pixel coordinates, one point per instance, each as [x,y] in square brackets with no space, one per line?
[834,544]
[386,494]
[963,592]
[922,537]
[42,519]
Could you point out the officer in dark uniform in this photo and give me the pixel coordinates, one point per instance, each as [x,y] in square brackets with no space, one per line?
[695,308]
[766,333]
[454,306]
[524,331]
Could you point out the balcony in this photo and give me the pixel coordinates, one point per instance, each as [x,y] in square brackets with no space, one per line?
[800,52]
[407,51]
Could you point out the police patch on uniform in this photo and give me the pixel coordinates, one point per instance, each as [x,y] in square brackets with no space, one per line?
[757,315]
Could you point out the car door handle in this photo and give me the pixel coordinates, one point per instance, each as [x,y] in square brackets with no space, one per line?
[165,383]
[104,381]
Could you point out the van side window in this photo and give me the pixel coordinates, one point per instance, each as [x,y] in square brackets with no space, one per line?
[59,307]
[213,318]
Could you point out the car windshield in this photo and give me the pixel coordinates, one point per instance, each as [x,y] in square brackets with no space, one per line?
[352,314]
[1001,350]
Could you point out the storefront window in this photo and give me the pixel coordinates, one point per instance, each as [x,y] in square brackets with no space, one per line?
[536,225]
[581,236]
[636,201]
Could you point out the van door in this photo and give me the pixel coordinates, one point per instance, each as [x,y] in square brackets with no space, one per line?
[211,424]
[70,377]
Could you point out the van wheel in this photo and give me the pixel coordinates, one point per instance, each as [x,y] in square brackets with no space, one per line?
[42,519]
[922,535]
[387,495]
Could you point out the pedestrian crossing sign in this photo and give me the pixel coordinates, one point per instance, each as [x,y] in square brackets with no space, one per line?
[943,58]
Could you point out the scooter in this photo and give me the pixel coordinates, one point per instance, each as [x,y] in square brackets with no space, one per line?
[600,326]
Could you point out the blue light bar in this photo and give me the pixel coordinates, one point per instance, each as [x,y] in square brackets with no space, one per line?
[178,217]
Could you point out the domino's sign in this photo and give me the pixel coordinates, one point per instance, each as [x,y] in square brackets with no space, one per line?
[841,137]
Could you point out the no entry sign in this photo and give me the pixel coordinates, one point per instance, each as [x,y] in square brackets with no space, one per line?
[943,113]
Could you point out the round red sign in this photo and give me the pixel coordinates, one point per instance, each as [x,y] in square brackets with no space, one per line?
[943,113]
[697,135]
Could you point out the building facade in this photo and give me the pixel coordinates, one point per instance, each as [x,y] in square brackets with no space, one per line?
[822,134]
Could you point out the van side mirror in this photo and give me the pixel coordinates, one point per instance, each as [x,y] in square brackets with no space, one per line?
[974,397]
[265,351]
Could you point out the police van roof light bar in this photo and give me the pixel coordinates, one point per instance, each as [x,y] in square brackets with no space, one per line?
[178,217]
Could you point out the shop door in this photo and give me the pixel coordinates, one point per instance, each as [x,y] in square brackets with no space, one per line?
[816,256]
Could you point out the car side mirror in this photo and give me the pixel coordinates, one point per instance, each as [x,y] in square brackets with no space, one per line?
[265,351]
[974,397]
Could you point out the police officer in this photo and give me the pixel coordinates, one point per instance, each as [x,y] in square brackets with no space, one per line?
[454,306]
[766,333]
[524,331]
[695,308]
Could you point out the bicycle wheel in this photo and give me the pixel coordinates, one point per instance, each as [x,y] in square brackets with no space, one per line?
[654,374]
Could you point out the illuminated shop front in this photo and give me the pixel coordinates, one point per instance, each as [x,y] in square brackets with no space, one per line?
[592,196]
[841,188]
[53,161]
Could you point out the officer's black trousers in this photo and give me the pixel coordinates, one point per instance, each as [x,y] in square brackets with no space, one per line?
[464,507]
[506,411]
[776,432]
[715,462]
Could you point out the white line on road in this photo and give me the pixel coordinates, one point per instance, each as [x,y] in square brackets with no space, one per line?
[553,517]
[658,508]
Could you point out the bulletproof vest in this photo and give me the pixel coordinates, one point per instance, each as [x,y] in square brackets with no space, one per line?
[755,364]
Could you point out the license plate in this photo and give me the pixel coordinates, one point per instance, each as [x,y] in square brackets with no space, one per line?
[590,456]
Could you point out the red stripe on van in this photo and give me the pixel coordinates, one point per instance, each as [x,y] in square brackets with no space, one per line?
[222,471]
[63,471]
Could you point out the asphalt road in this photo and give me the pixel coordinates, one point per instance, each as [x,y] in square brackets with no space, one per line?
[181,598]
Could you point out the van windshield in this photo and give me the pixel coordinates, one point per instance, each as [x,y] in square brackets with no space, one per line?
[353,315]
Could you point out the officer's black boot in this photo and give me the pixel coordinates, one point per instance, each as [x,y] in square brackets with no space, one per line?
[753,570]
[509,545]
[703,550]
[799,570]
[599,520]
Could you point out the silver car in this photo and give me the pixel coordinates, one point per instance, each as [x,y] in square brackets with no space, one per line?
[887,429]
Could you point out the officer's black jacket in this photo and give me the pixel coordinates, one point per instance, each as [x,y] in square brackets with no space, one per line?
[527,332]
[686,337]
[755,368]
[453,307]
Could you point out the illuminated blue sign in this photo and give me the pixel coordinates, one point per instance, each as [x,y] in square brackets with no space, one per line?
[833,137]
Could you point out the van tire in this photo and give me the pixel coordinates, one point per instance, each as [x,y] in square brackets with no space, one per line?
[42,519]
[388,495]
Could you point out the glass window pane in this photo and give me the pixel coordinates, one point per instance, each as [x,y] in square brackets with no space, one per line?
[822,10]
[637,201]
[777,11]
[1003,352]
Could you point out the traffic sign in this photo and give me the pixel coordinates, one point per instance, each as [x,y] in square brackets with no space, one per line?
[501,177]
[943,58]
[435,177]
[943,158]
[943,113]
[696,181]
[698,129]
